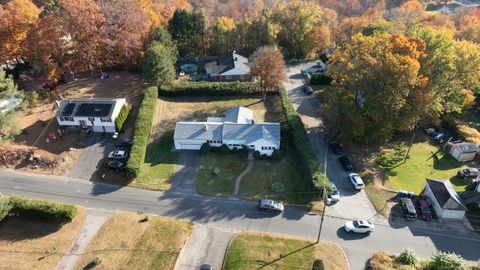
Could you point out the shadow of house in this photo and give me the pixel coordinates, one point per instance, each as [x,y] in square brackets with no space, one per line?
[19,229]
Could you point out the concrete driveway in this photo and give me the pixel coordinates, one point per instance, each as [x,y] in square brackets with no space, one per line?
[96,147]
[353,204]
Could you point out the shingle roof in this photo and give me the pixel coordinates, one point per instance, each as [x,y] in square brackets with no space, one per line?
[443,192]
[198,131]
[252,132]
[466,147]
[239,115]
[228,62]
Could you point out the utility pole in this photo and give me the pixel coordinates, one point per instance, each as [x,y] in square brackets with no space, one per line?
[321,219]
[411,143]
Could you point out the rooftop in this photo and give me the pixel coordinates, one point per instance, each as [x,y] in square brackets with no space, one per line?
[87,107]
[228,62]
[443,192]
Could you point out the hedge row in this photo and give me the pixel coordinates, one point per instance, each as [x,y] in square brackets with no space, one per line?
[308,158]
[42,210]
[143,126]
[210,89]
[122,116]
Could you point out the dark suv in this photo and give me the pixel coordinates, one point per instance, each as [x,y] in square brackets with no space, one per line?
[346,163]
[336,148]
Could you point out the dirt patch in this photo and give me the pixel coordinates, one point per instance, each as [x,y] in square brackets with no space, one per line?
[26,244]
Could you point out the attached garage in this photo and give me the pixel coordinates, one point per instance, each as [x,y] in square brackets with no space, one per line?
[189,145]
[445,199]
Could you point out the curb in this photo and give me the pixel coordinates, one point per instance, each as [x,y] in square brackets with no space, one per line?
[179,254]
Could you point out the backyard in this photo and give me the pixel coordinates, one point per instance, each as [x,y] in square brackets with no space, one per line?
[160,160]
[255,251]
[128,241]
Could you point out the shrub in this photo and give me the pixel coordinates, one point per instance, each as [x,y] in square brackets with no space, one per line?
[210,89]
[306,155]
[122,116]
[408,257]
[256,154]
[206,148]
[317,265]
[381,261]
[320,79]
[43,210]
[224,149]
[31,99]
[278,154]
[447,261]
[5,207]
[143,125]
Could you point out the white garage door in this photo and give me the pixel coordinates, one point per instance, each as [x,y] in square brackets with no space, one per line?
[190,146]
[97,128]
[109,129]
[452,214]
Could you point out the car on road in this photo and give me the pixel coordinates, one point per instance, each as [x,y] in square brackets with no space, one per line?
[118,154]
[356,181]
[425,212]
[346,163]
[408,208]
[335,194]
[468,173]
[307,89]
[336,148]
[206,267]
[116,165]
[270,205]
[359,226]
[123,142]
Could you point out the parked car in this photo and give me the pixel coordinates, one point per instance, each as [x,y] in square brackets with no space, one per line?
[346,163]
[356,181]
[426,214]
[307,89]
[408,208]
[270,205]
[118,154]
[335,194]
[359,226]
[468,173]
[206,267]
[123,142]
[116,165]
[336,148]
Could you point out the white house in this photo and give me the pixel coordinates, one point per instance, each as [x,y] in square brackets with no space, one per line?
[464,152]
[97,114]
[236,130]
[445,200]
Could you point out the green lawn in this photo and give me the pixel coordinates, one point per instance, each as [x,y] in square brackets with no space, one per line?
[425,161]
[252,251]
[159,165]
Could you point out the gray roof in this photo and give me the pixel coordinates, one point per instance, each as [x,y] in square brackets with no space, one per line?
[252,132]
[239,115]
[466,147]
[198,131]
[228,62]
[445,193]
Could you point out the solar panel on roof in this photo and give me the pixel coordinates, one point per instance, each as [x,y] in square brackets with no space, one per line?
[67,111]
[94,109]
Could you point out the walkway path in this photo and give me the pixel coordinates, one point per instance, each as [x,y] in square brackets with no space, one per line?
[206,245]
[93,222]
[251,161]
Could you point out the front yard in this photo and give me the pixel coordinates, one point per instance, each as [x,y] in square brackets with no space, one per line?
[255,251]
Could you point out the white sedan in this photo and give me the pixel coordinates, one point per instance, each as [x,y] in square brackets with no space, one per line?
[359,226]
[118,154]
[356,180]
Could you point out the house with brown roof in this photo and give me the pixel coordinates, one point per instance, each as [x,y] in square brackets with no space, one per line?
[445,199]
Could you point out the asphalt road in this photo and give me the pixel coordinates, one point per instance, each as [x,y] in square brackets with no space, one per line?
[240,215]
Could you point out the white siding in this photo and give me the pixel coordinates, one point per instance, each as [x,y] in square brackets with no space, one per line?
[453,214]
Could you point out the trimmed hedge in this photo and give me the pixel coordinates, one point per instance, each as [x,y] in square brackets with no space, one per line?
[210,89]
[43,210]
[307,156]
[143,126]
[5,207]
[122,116]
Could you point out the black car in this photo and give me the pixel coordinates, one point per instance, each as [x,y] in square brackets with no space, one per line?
[336,148]
[116,165]
[346,163]
[123,142]
[308,89]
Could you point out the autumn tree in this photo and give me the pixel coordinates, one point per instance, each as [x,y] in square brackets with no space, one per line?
[7,85]
[268,66]
[408,14]
[158,65]
[301,26]
[126,27]
[8,120]
[16,17]
[469,28]
[379,86]
[223,34]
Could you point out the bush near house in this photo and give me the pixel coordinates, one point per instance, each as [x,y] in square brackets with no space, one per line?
[210,89]
[143,126]
[122,116]
[302,144]
[42,210]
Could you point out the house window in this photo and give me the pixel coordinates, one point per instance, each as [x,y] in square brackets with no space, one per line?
[242,77]
[228,77]
[105,120]
[91,119]
[67,118]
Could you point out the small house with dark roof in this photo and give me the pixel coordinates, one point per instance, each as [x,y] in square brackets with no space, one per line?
[229,68]
[445,199]
[236,130]
[464,152]
[97,114]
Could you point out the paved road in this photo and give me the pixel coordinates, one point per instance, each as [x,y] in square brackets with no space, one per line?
[239,215]
[353,204]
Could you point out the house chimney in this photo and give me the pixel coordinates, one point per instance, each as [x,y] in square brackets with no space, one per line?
[205,127]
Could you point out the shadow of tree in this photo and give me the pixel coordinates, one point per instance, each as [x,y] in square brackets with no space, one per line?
[15,228]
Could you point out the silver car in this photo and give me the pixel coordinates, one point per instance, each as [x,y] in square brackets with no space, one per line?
[270,205]
[359,226]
